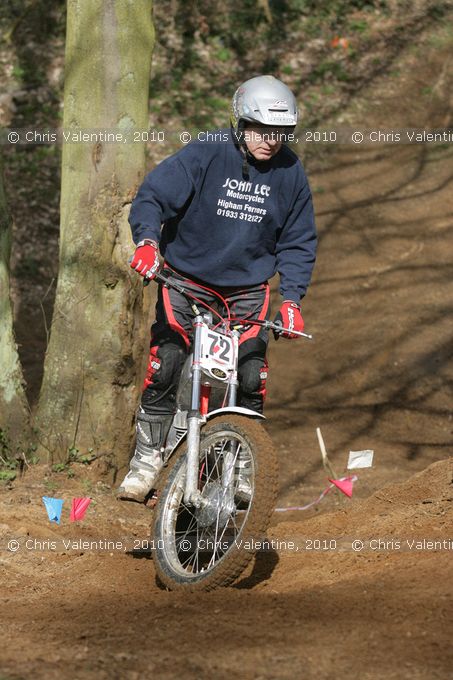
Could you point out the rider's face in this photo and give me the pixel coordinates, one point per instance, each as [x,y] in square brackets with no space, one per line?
[263,141]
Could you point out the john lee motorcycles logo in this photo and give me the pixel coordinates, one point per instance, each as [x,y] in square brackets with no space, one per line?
[249,194]
[246,187]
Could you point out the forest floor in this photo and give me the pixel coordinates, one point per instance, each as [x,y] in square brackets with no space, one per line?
[377,376]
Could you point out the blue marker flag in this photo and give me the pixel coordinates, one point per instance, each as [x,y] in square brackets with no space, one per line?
[53,507]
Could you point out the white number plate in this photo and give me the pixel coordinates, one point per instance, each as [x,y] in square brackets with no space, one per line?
[217,351]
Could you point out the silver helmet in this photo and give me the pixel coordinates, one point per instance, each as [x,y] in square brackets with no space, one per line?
[264,100]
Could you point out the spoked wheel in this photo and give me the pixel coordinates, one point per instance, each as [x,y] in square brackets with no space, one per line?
[207,547]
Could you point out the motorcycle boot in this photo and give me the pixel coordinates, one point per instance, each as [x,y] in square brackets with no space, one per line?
[147,461]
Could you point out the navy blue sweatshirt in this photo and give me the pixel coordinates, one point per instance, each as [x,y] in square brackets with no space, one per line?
[224,229]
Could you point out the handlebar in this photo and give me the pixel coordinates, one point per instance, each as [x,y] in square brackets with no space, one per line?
[277,328]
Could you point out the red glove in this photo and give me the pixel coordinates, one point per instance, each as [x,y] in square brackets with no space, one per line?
[290,317]
[146,259]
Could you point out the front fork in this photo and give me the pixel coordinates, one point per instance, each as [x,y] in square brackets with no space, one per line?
[195,421]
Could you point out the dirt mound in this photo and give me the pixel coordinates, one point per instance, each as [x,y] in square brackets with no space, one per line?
[400,507]
[312,602]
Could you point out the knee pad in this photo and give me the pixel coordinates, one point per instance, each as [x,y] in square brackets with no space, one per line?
[163,364]
[252,374]
[164,368]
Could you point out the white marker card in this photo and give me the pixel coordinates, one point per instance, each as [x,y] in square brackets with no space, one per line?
[360,459]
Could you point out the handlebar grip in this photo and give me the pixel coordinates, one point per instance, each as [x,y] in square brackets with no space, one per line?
[275,331]
[158,276]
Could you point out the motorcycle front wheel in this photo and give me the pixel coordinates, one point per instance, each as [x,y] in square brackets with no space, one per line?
[209,547]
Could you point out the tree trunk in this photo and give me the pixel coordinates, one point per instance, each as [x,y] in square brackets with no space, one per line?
[14,412]
[92,371]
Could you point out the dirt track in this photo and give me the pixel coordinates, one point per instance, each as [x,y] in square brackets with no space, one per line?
[378,376]
[299,613]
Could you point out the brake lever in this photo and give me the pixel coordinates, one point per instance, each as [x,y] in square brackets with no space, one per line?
[147,280]
[160,278]
[277,328]
[157,277]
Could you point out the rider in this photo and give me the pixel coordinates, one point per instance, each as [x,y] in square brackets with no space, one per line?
[236,207]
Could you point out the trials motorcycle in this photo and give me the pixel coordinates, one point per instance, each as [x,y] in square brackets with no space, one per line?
[218,488]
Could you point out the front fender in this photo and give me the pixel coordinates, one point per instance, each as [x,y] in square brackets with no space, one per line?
[240,410]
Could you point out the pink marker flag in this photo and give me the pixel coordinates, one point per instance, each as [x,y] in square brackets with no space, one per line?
[79,508]
[345,484]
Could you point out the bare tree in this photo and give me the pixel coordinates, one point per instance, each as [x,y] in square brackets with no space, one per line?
[91,373]
[14,414]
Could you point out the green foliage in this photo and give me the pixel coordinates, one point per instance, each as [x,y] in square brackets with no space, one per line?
[50,485]
[329,68]
[18,72]
[441,39]
[7,475]
[74,457]
[8,465]
[208,47]
[312,27]
[217,103]
[224,54]
[437,11]
[87,486]
[73,453]
[358,25]
[86,460]
[332,9]
[4,443]
[11,459]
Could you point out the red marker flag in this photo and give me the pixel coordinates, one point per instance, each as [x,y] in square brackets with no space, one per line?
[344,484]
[79,508]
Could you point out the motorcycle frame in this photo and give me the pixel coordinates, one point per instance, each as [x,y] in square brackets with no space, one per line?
[195,419]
